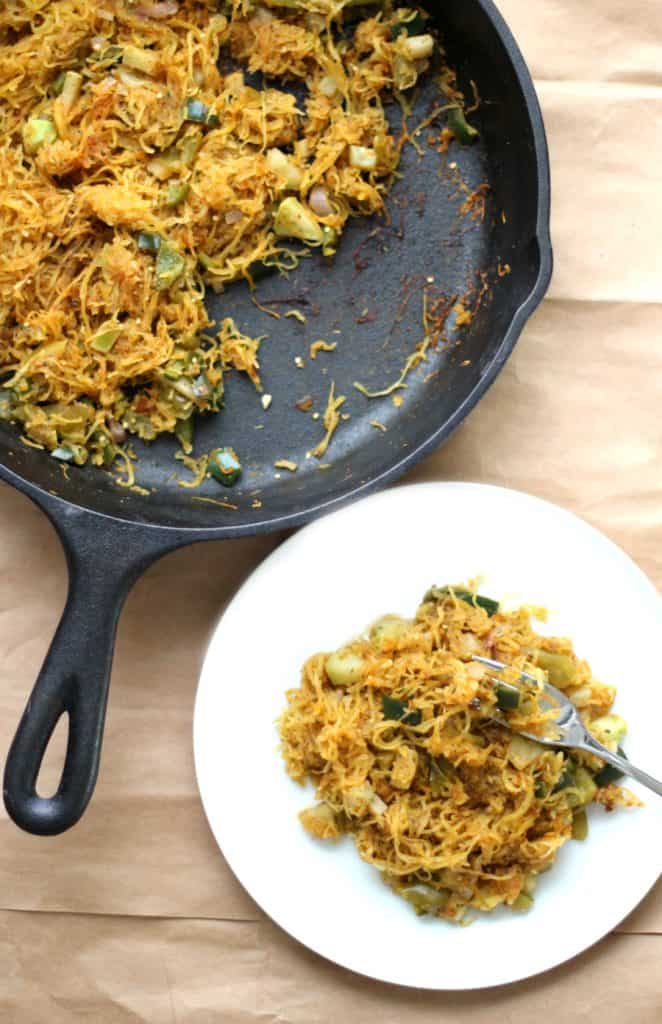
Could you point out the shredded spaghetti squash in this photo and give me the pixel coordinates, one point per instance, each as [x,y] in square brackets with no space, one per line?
[138,166]
[399,733]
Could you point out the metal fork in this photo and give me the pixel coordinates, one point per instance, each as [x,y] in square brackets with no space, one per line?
[571,730]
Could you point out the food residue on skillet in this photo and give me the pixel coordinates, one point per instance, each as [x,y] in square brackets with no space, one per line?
[322,346]
[330,419]
[436,311]
[134,173]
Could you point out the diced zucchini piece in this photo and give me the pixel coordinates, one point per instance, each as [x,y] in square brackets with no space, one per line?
[184,434]
[585,784]
[441,775]
[196,111]
[396,710]
[580,824]
[38,132]
[175,159]
[6,404]
[388,627]
[423,898]
[177,193]
[225,466]
[540,789]
[522,752]
[330,240]
[488,604]
[610,728]
[609,773]
[560,668]
[567,776]
[344,667]
[508,697]
[170,265]
[464,132]
[199,113]
[105,340]
[582,789]
[148,242]
[293,220]
[58,84]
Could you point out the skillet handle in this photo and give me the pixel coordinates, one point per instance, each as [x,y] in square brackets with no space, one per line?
[104,558]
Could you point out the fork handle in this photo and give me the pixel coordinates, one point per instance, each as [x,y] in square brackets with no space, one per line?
[593,747]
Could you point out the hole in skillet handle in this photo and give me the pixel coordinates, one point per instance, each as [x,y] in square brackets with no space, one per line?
[52,765]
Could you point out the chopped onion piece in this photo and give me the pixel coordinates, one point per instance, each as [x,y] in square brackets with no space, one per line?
[71,89]
[117,431]
[581,696]
[362,158]
[328,86]
[286,169]
[358,799]
[522,752]
[261,17]
[128,77]
[157,9]
[319,201]
[377,805]
[418,47]
[469,644]
[145,61]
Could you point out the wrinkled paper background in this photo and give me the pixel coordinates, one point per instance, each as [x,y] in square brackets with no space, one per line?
[133,916]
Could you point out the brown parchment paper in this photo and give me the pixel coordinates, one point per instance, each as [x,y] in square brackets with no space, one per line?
[122,970]
[133,915]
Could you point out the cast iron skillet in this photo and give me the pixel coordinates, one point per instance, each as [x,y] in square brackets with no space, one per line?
[111,535]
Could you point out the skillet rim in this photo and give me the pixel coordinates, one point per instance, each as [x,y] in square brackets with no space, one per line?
[58,508]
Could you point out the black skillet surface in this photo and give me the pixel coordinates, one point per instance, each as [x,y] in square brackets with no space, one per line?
[111,535]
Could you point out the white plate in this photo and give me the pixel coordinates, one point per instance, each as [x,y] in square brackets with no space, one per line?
[320,588]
